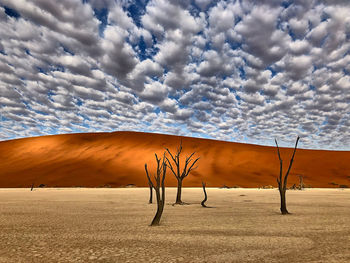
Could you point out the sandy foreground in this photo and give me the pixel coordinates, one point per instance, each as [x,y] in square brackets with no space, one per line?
[112,225]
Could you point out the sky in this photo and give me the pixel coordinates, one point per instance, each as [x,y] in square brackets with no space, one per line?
[242,71]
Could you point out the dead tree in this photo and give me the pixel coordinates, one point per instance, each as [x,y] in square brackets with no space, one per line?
[150,186]
[159,178]
[301,182]
[205,195]
[282,182]
[179,173]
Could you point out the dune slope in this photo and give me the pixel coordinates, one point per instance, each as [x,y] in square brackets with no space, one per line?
[118,158]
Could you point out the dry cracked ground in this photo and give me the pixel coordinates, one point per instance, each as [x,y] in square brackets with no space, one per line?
[112,225]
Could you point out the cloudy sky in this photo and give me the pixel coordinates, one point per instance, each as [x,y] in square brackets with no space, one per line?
[245,71]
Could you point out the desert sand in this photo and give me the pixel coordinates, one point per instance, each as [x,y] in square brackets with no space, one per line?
[112,225]
[117,159]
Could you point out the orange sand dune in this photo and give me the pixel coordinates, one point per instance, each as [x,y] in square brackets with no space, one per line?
[117,159]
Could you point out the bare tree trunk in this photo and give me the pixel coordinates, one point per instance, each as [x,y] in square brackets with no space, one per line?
[284,210]
[160,203]
[150,186]
[150,194]
[179,189]
[205,195]
[160,207]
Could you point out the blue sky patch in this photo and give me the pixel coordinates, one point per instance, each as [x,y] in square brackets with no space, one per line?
[11,12]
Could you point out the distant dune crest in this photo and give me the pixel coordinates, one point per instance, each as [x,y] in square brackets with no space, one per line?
[117,160]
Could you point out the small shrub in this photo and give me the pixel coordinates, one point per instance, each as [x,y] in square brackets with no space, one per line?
[333,183]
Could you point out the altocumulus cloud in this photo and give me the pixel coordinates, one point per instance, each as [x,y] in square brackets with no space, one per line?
[244,71]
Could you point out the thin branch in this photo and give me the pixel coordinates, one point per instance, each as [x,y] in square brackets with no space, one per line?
[190,168]
[290,164]
[149,179]
[172,157]
[171,167]
[158,169]
[188,160]
[157,158]
[164,172]
[179,149]
[178,163]
[281,163]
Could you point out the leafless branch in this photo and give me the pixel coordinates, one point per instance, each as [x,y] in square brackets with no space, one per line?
[290,164]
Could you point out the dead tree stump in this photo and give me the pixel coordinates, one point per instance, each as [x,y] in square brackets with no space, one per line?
[205,195]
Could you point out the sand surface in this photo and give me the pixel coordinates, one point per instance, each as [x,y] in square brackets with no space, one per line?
[117,159]
[112,225]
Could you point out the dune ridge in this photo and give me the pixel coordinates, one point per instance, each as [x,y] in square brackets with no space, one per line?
[117,159]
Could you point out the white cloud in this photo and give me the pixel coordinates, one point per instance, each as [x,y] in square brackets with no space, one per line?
[233,70]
